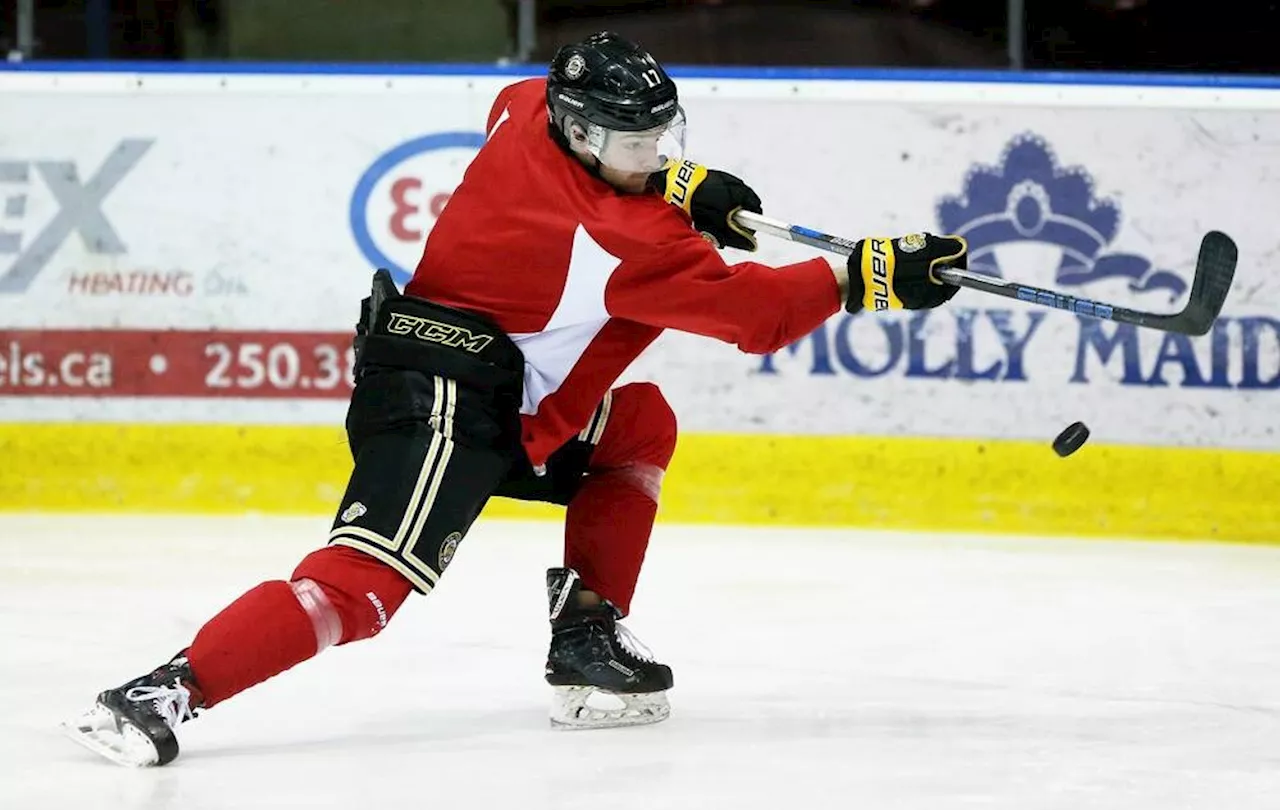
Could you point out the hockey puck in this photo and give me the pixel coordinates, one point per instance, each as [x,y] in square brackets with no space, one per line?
[1071,439]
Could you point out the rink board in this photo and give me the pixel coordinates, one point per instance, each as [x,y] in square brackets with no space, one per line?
[182,255]
[890,482]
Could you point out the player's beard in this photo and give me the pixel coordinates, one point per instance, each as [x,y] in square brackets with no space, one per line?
[628,182]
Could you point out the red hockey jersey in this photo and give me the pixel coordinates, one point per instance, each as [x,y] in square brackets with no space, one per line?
[584,278]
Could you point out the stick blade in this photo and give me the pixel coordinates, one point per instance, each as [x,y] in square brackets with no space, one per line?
[1215,270]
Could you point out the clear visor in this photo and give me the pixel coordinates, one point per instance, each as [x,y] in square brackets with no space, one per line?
[645,151]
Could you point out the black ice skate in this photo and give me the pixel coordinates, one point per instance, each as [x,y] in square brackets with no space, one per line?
[134,724]
[603,676]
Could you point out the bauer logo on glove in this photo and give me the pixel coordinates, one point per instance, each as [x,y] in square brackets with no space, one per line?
[681,179]
[711,198]
[898,273]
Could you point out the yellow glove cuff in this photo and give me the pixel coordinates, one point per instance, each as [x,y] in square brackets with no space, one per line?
[683,177]
[878,262]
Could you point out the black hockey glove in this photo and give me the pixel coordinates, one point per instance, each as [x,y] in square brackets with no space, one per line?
[711,197]
[898,273]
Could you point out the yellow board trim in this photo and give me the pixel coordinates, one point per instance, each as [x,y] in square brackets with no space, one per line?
[974,486]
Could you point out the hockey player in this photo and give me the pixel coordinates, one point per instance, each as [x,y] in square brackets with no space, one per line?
[577,235]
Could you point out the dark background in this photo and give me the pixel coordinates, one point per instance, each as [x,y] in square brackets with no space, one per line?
[1227,36]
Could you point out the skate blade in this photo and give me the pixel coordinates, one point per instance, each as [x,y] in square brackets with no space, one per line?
[122,743]
[583,707]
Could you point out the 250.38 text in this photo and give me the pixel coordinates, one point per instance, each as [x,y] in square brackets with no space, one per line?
[282,366]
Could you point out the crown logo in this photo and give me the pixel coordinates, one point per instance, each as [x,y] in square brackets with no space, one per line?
[1029,197]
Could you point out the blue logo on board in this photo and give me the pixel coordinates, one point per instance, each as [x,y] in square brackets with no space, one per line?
[1029,197]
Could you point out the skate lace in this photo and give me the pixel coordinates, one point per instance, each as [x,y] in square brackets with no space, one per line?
[172,703]
[632,644]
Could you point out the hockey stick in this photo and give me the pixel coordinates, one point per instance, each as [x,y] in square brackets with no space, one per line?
[1215,268]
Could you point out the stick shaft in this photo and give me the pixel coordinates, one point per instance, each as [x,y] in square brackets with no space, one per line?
[965,278]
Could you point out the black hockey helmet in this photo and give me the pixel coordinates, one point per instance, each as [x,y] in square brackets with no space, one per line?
[610,82]
[611,97]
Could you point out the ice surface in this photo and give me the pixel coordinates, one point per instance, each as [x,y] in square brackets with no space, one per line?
[814,669]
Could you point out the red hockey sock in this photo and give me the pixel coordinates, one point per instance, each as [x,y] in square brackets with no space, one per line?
[337,595]
[609,520]
[259,635]
[607,532]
